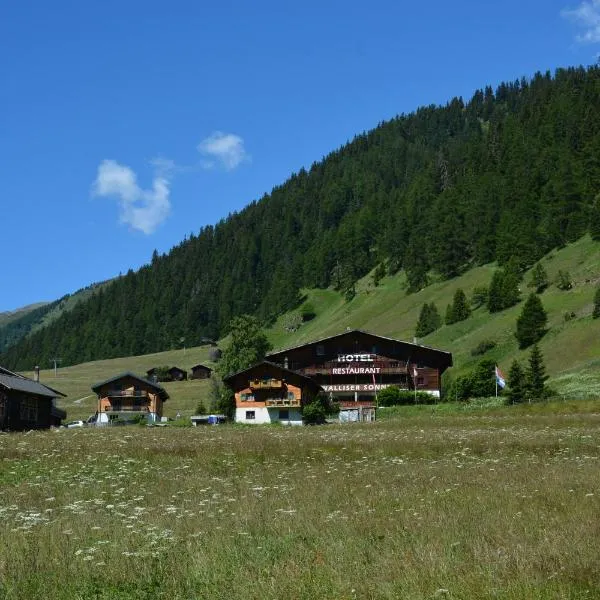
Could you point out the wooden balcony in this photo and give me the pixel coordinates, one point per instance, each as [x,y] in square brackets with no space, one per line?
[283,402]
[266,384]
[131,408]
[126,394]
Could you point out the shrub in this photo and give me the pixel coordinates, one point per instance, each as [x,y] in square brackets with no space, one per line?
[307,312]
[394,396]
[479,296]
[563,281]
[483,347]
[316,411]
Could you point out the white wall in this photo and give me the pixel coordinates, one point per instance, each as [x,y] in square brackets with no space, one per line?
[267,415]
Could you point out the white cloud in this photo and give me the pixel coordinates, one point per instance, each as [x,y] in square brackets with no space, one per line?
[587,15]
[143,210]
[226,149]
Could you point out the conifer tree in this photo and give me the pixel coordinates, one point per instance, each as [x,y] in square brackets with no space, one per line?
[536,375]
[594,225]
[429,320]
[516,383]
[495,300]
[539,278]
[531,322]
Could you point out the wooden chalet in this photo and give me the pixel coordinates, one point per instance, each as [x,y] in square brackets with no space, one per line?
[127,395]
[201,372]
[174,373]
[27,404]
[178,374]
[353,366]
[269,393]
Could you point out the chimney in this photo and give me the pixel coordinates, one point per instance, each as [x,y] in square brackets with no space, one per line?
[36,373]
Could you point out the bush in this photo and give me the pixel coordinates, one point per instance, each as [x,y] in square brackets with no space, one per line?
[563,281]
[394,396]
[483,347]
[316,411]
[307,312]
[479,296]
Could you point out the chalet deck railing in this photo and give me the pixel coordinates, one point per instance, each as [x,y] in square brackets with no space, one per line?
[127,394]
[266,384]
[283,402]
[127,408]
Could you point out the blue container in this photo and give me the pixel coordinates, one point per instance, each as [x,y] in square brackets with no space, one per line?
[213,420]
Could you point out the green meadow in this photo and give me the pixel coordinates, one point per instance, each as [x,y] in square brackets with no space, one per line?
[490,503]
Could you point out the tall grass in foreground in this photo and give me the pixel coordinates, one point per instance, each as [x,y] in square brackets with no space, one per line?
[425,507]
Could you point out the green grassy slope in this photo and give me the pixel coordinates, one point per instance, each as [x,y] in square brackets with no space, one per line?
[571,348]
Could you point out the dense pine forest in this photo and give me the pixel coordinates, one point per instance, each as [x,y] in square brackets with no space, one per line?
[507,175]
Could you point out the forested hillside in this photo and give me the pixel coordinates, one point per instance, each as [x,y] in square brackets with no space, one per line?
[511,173]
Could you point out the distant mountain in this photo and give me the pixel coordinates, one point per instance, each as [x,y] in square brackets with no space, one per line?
[18,324]
[506,176]
[11,315]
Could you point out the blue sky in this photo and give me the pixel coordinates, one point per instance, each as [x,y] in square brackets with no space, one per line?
[124,126]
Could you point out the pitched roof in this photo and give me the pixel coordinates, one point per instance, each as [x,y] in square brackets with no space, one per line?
[29,386]
[443,354]
[292,376]
[159,388]
[363,332]
[200,367]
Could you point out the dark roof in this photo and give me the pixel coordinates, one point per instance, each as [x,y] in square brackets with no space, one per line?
[29,386]
[201,367]
[287,374]
[177,369]
[448,355]
[159,388]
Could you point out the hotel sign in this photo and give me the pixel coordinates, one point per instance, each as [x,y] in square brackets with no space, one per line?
[348,358]
[355,387]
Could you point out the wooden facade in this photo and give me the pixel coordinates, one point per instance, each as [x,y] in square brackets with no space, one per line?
[268,393]
[27,404]
[353,366]
[127,395]
[201,372]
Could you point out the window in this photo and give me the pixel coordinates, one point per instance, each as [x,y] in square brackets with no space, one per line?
[320,350]
[290,396]
[250,415]
[29,410]
[245,397]
[284,414]
[420,380]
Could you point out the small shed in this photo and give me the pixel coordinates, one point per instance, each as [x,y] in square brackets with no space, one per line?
[178,374]
[201,372]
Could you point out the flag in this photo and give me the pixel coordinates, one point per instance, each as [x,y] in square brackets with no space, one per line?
[500,379]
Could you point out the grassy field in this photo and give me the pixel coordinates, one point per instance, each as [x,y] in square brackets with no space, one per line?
[497,503]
